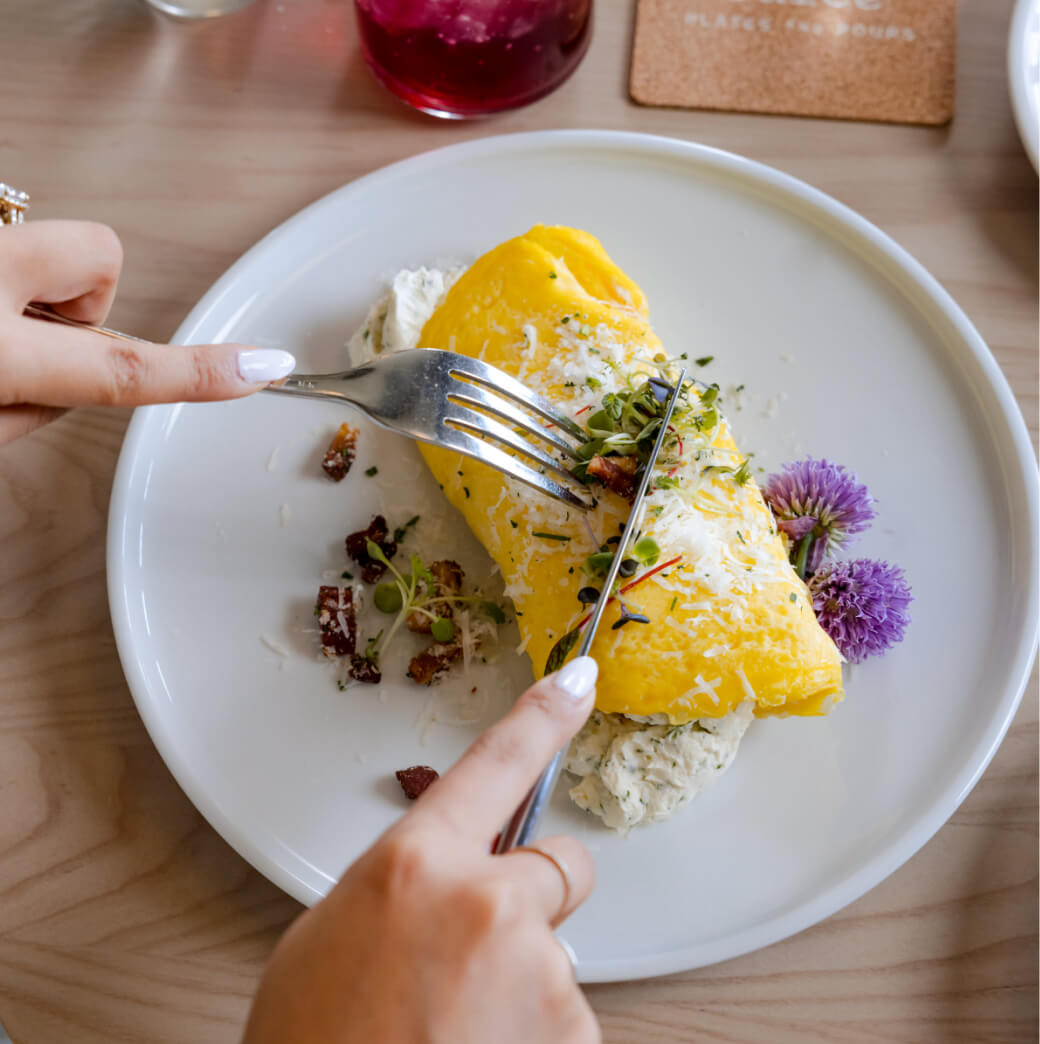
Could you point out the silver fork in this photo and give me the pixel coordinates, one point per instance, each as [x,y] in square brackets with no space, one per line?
[458,403]
[444,399]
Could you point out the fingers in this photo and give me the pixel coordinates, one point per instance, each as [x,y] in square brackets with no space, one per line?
[51,365]
[73,265]
[16,421]
[481,791]
[558,873]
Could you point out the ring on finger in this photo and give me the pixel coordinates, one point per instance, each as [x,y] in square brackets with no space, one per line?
[571,955]
[561,866]
[13,205]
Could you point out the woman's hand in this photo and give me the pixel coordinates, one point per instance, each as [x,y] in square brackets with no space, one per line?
[46,368]
[430,939]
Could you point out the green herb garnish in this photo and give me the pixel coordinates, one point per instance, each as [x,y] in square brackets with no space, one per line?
[442,629]
[551,536]
[561,650]
[704,360]
[388,597]
[400,531]
[646,550]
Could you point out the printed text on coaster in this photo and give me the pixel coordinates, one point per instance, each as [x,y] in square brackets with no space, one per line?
[889,60]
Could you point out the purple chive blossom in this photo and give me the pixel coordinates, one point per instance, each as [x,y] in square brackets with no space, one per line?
[862,604]
[820,506]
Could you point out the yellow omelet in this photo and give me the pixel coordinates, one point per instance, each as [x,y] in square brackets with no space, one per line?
[729,620]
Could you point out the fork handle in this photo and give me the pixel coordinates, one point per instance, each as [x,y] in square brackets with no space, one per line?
[358,387]
[48,314]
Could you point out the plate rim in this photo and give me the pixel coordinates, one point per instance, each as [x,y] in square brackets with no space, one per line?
[1028,129]
[812,203]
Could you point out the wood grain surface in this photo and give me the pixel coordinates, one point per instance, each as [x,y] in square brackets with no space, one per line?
[123,916]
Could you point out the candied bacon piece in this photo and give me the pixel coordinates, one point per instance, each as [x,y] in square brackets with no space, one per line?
[415,780]
[616,473]
[336,621]
[357,547]
[447,574]
[340,454]
[363,669]
[447,580]
[420,623]
[432,662]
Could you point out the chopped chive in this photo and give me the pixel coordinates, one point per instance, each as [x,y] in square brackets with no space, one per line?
[551,536]
[792,597]
[401,531]
[671,608]
[704,360]
[465,489]
[552,275]
[371,471]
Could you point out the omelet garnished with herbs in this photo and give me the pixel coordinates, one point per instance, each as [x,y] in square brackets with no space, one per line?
[709,625]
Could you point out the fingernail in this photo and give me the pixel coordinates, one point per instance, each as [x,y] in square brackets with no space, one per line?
[577,678]
[263,365]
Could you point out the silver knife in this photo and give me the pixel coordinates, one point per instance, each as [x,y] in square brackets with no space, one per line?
[520,829]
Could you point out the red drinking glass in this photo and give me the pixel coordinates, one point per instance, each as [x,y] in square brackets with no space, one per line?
[466,58]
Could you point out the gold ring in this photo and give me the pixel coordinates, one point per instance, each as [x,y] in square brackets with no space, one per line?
[13,205]
[560,865]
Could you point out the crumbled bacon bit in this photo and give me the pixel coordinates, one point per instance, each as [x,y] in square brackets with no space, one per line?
[340,454]
[616,473]
[357,548]
[447,581]
[363,669]
[415,780]
[432,662]
[336,621]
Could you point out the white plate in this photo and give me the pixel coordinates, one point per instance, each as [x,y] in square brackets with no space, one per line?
[1024,74]
[797,297]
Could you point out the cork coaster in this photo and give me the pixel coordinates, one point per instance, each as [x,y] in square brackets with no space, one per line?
[887,60]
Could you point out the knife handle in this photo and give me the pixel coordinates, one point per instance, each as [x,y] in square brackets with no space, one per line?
[521,826]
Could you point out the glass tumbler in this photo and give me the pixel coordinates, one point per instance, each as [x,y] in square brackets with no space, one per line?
[197,8]
[466,58]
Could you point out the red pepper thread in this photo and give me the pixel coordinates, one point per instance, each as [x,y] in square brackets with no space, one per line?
[628,587]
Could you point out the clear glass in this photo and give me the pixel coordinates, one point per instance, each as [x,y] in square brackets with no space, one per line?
[467,58]
[197,8]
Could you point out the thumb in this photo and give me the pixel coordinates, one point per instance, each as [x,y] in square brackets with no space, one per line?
[487,783]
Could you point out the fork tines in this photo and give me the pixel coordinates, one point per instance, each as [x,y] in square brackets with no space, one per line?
[477,432]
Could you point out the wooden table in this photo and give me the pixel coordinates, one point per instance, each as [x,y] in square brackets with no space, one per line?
[123,916]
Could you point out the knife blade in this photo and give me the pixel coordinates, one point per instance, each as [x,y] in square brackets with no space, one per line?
[520,828]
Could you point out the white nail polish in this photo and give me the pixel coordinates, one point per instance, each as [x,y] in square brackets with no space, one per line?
[577,678]
[263,365]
